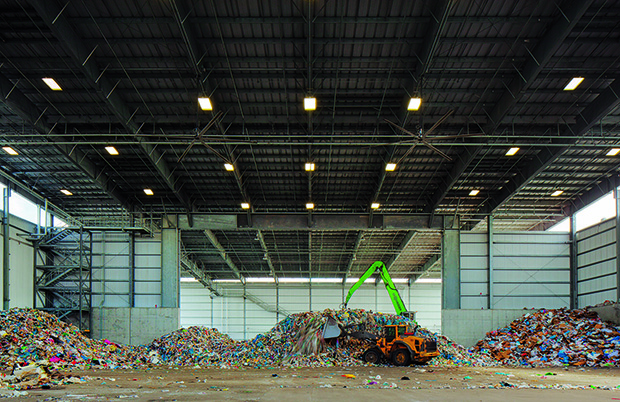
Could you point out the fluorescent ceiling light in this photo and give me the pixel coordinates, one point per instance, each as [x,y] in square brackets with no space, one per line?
[414,104]
[205,103]
[474,193]
[148,191]
[390,167]
[400,280]
[309,167]
[574,83]
[375,205]
[428,280]
[353,280]
[309,205]
[245,205]
[512,151]
[229,167]
[310,103]
[189,280]
[111,150]
[557,193]
[52,84]
[66,192]
[10,150]
[612,152]
[227,280]
[326,280]
[293,280]
[260,280]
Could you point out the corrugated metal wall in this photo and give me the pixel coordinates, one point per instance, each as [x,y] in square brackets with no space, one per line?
[113,270]
[241,319]
[596,263]
[529,269]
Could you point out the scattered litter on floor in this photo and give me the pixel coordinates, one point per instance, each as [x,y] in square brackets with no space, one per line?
[555,338]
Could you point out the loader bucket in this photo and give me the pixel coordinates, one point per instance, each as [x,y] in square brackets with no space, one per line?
[331,329]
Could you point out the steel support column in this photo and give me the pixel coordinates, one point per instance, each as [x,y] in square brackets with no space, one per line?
[5,251]
[617,196]
[451,269]
[490,260]
[170,267]
[574,277]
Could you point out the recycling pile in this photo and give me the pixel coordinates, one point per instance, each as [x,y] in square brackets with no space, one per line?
[555,338]
[296,341]
[28,336]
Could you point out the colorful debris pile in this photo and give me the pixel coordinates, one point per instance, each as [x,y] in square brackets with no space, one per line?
[28,335]
[555,338]
[35,375]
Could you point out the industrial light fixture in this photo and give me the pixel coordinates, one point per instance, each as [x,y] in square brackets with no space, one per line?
[229,167]
[375,205]
[512,151]
[245,205]
[309,205]
[611,152]
[10,150]
[52,84]
[414,104]
[309,167]
[66,192]
[205,103]
[557,193]
[148,191]
[474,193]
[111,150]
[574,83]
[390,167]
[310,103]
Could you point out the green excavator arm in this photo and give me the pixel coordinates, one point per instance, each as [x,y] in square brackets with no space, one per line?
[399,306]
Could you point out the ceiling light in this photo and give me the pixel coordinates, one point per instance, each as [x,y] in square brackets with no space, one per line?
[229,167]
[375,205]
[474,193]
[390,167]
[52,84]
[309,167]
[310,103]
[309,205]
[66,192]
[205,103]
[612,152]
[512,151]
[574,83]
[414,104]
[245,205]
[10,150]
[148,191]
[111,150]
[557,193]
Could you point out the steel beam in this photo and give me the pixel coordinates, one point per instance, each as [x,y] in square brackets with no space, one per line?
[617,197]
[594,112]
[272,269]
[409,237]
[540,56]
[358,240]
[53,16]
[574,264]
[223,254]
[25,109]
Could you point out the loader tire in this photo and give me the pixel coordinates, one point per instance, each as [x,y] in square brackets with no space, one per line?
[372,356]
[401,357]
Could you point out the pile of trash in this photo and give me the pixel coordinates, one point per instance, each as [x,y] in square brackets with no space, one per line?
[28,335]
[555,338]
[38,374]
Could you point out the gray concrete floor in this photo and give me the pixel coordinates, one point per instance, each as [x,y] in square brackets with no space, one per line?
[328,384]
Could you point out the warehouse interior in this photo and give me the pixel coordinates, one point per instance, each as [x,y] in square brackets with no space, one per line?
[227,164]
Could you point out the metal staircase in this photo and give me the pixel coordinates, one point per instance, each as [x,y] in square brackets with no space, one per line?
[63,262]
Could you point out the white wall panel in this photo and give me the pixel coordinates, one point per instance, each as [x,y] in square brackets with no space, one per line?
[21,264]
[596,264]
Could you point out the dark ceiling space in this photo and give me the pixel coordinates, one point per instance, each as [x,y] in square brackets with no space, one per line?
[490,73]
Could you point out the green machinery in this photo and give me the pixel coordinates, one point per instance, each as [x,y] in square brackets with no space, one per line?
[380,267]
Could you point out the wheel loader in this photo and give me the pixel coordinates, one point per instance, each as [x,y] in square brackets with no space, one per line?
[401,347]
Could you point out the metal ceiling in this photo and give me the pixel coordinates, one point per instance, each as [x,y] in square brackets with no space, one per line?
[131,72]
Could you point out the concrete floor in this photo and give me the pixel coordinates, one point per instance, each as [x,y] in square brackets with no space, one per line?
[328,384]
